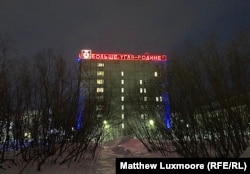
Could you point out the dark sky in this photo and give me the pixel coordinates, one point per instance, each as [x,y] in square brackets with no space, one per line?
[121,26]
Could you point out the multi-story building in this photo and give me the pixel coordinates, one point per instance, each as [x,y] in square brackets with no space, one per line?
[118,83]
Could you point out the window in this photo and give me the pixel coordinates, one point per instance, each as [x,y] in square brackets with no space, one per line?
[122,90]
[140,82]
[99,81]
[143,90]
[157,99]
[145,99]
[100,64]
[122,73]
[142,116]
[98,107]
[156,74]
[100,98]
[122,107]
[100,90]
[122,125]
[122,116]
[122,82]
[160,98]
[122,98]
[100,73]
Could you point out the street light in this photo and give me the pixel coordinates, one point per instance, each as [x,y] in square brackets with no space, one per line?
[106,125]
[151,122]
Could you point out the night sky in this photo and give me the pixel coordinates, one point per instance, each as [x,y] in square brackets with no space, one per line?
[119,26]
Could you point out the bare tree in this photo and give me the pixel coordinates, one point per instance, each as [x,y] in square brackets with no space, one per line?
[7,52]
[211,119]
[208,92]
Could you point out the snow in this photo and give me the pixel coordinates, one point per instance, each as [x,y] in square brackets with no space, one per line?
[104,164]
[246,153]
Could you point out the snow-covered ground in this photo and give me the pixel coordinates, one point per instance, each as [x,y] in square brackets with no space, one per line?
[104,164]
[246,153]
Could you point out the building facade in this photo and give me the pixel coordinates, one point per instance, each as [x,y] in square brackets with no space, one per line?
[120,85]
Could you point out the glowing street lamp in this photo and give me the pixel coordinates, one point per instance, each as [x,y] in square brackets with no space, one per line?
[106,125]
[151,122]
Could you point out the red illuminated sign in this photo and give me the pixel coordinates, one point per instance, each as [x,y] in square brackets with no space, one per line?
[87,54]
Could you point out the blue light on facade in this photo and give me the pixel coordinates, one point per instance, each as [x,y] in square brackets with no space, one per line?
[80,110]
[167,115]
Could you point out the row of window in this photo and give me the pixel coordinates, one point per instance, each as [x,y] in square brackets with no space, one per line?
[145,98]
[101,90]
[101,82]
[101,73]
[158,99]
[142,90]
[101,65]
[142,82]
[143,116]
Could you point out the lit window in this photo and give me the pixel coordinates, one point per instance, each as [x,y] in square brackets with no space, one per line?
[141,90]
[100,81]
[100,64]
[122,73]
[122,98]
[140,82]
[160,98]
[99,108]
[157,99]
[122,82]
[156,74]
[145,90]
[145,98]
[142,116]
[100,73]
[122,107]
[100,90]
[122,90]
[122,116]
[122,125]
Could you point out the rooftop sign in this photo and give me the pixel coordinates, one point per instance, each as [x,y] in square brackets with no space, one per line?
[88,55]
